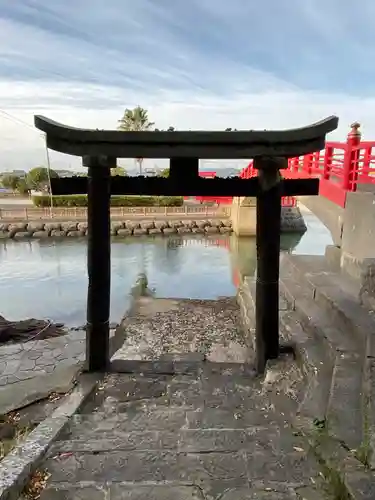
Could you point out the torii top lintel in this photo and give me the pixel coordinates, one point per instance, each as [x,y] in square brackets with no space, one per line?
[183,144]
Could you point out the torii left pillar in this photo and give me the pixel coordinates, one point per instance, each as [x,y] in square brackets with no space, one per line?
[98,261]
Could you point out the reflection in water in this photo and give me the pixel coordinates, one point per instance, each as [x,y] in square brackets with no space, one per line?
[47,279]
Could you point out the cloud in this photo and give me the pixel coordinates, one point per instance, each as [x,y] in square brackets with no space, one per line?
[200,64]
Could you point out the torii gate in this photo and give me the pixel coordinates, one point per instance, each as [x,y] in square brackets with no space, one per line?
[100,150]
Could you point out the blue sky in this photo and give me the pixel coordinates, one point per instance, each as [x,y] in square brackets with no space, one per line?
[193,64]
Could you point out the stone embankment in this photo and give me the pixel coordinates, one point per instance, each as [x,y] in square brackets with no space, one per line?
[291,221]
[21,230]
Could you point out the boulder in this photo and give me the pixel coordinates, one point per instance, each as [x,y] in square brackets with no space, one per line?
[129,224]
[35,226]
[202,223]
[139,231]
[156,230]
[175,223]
[147,225]
[227,223]
[82,226]
[215,223]
[161,224]
[169,230]
[69,226]
[184,230]
[40,234]
[4,226]
[57,233]
[19,235]
[124,232]
[198,230]
[51,226]
[211,230]
[225,229]
[189,223]
[74,234]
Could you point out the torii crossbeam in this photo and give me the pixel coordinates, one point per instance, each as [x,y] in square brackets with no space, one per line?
[100,150]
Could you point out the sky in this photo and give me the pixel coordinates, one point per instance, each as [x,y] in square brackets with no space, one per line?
[196,64]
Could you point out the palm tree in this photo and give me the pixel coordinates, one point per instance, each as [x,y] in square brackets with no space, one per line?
[136,120]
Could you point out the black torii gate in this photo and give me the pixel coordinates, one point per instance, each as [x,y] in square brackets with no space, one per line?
[100,150]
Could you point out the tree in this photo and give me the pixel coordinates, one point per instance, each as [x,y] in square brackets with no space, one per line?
[118,171]
[164,172]
[136,120]
[22,186]
[10,181]
[38,178]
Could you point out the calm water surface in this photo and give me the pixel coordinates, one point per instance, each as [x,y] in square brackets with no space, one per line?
[46,279]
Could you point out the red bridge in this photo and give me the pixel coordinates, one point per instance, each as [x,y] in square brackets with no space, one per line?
[342,167]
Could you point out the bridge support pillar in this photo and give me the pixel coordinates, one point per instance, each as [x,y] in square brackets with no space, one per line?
[244,216]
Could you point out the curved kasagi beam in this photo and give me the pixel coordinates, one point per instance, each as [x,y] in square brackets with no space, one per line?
[201,144]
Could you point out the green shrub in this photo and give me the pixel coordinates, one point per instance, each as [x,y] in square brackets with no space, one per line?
[80,200]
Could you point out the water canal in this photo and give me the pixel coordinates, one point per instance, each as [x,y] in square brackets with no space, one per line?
[48,279]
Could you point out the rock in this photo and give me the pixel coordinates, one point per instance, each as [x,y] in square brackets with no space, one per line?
[35,226]
[139,231]
[225,229]
[175,224]
[115,226]
[147,225]
[161,224]
[40,234]
[124,232]
[75,234]
[57,233]
[189,223]
[169,230]
[19,235]
[50,226]
[156,230]
[132,225]
[215,223]
[18,226]
[82,226]
[197,230]
[211,230]
[203,223]
[183,230]
[4,226]
[69,226]
[227,223]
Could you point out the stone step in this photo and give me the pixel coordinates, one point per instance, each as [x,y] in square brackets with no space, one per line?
[256,439]
[315,362]
[173,491]
[171,419]
[315,317]
[347,354]
[347,391]
[234,388]
[202,469]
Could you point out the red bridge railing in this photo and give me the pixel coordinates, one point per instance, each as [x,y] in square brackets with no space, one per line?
[342,167]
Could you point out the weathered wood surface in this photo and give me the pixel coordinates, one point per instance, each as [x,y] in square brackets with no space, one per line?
[184,144]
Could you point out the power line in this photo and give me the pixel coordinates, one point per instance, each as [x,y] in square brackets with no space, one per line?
[18,120]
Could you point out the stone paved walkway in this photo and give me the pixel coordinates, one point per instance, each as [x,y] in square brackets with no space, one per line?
[157,326]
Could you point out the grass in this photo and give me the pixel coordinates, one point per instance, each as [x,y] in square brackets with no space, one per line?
[14,433]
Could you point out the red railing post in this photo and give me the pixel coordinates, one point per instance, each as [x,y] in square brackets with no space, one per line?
[328,159]
[351,161]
